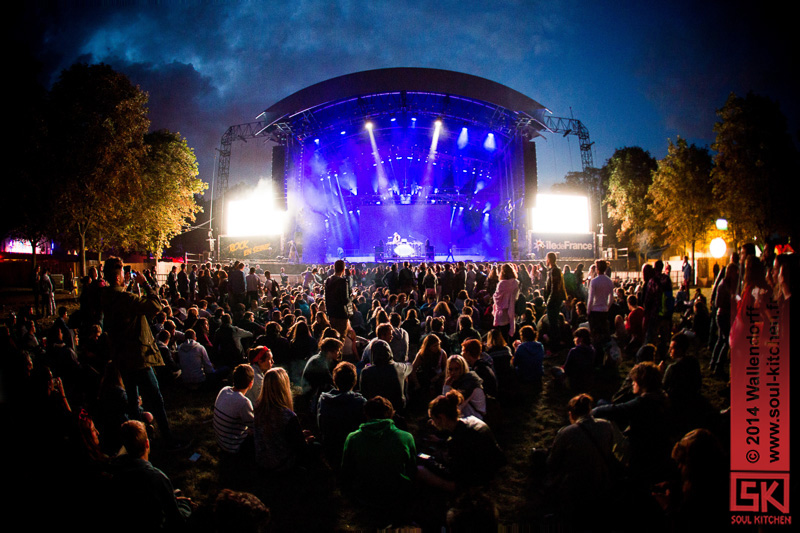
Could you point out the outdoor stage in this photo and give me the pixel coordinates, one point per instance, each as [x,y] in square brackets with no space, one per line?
[442,159]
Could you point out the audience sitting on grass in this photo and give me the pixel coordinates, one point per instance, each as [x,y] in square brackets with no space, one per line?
[340,411]
[233,412]
[581,467]
[579,366]
[470,455]
[379,461]
[644,409]
[196,367]
[459,377]
[143,493]
[385,377]
[281,444]
[318,373]
[528,357]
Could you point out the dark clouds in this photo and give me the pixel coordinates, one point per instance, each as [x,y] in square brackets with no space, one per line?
[633,73]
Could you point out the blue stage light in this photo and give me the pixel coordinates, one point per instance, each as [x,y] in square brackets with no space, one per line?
[490,143]
[463,138]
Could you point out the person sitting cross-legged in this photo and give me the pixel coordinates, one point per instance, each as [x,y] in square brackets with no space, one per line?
[379,460]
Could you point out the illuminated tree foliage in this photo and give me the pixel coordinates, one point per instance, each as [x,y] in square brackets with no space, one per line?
[170,182]
[118,186]
[98,120]
[629,173]
[755,166]
[681,193]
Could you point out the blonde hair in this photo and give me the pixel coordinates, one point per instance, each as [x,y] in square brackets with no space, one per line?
[461,362]
[276,393]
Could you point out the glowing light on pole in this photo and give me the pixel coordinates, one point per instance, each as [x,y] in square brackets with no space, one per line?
[718,248]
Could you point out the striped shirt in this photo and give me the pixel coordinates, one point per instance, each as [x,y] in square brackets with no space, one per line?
[233,414]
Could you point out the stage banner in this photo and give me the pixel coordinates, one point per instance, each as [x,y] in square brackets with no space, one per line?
[759,489]
[566,245]
[263,247]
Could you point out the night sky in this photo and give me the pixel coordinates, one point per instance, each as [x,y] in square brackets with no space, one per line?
[634,73]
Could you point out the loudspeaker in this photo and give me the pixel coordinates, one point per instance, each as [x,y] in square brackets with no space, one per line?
[379,254]
[279,176]
[429,255]
[531,174]
[514,234]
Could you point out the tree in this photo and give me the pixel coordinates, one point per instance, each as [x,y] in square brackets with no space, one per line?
[170,184]
[629,173]
[755,166]
[98,120]
[681,193]
[575,183]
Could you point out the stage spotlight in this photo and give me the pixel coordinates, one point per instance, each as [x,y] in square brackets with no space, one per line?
[255,215]
[393,119]
[368,125]
[342,132]
[560,213]
[438,124]
[463,139]
[316,141]
[489,143]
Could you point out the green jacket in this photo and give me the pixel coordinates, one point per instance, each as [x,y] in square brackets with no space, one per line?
[126,319]
[379,462]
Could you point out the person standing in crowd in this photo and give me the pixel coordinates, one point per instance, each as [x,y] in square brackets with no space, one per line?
[126,320]
[338,297]
[504,300]
[252,286]
[601,295]
[555,293]
[687,270]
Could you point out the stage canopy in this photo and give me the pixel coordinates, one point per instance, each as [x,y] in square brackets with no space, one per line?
[436,155]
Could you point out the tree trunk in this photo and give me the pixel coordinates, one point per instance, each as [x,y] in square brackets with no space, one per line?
[83,252]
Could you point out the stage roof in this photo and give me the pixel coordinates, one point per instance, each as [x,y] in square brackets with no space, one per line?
[405,80]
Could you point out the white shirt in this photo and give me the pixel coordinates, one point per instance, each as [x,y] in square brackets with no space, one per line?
[601,294]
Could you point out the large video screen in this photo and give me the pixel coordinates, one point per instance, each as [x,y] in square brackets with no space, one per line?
[413,222]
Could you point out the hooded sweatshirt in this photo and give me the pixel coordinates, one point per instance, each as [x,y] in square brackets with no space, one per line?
[379,462]
[194,362]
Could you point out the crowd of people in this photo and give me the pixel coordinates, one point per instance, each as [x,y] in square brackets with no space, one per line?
[336,371]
